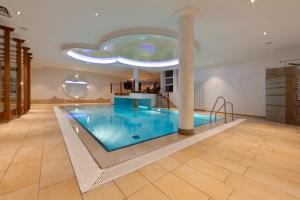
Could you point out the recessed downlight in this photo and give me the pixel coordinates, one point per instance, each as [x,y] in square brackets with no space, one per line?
[19,13]
[97,14]
[265,33]
[252,1]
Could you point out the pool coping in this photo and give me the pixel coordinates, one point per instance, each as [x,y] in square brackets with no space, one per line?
[89,174]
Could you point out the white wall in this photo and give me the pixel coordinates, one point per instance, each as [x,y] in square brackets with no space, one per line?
[242,83]
[47,83]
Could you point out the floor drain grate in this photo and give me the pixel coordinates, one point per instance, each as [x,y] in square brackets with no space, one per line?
[136,137]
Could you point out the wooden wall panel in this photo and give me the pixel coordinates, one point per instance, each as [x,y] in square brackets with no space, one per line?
[12,55]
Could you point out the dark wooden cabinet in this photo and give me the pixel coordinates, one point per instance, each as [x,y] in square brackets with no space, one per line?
[283,94]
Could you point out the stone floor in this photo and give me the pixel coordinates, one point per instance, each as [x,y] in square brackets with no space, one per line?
[256,160]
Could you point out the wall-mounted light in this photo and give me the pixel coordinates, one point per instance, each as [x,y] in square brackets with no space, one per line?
[76,82]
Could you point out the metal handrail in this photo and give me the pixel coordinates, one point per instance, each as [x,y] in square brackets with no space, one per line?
[232,117]
[224,105]
[216,102]
[219,111]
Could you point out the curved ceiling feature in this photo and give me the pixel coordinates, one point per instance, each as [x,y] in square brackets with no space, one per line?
[142,47]
[138,50]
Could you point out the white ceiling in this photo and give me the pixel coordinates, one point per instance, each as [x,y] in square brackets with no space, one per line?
[227,30]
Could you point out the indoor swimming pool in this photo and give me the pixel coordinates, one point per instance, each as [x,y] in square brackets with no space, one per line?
[118,126]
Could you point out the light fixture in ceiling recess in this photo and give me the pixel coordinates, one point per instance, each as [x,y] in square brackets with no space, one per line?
[137,63]
[19,13]
[121,60]
[271,50]
[265,33]
[91,59]
[96,14]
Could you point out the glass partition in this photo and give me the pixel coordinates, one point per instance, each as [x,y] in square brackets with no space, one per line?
[2,72]
[22,80]
[13,75]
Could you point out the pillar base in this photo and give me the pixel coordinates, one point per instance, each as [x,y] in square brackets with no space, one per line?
[186,131]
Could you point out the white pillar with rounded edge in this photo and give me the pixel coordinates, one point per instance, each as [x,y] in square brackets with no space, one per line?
[186,18]
[136,79]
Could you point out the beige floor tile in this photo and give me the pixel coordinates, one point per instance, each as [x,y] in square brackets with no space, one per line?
[234,150]
[28,193]
[20,176]
[33,142]
[55,152]
[272,169]
[1,175]
[153,171]
[256,190]
[53,139]
[177,189]
[67,190]
[131,183]
[185,154]
[208,185]
[27,154]
[109,191]
[148,193]
[225,153]
[222,162]
[237,195]
[202,146]
[280,160]
[288,187]
[208,168]
[168,163]
[5,159]
[55,171]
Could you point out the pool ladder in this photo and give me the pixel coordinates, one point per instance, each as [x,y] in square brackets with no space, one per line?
[224,105]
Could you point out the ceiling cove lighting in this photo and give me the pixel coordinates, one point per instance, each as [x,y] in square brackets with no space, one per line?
[126,61]
[91,59]
[147,64]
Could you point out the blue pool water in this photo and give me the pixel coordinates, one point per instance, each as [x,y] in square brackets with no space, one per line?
[118,126]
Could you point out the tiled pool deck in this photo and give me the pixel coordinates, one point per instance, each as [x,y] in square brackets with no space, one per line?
[256,160]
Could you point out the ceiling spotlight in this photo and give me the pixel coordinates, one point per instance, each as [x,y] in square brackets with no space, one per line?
[96,14]
[265,33]
[271,50]
[76,76]
[19,13]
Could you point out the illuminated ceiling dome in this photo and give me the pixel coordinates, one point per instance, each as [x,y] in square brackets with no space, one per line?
[140,50]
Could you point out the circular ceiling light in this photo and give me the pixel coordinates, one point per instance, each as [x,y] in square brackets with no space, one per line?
[147,50]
